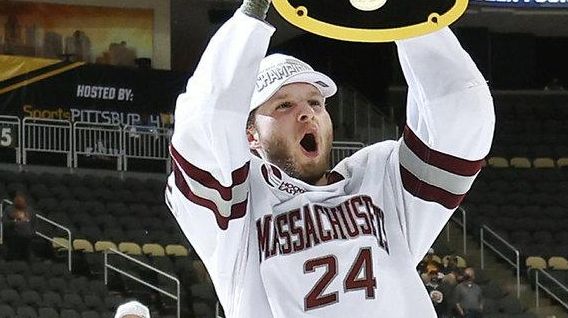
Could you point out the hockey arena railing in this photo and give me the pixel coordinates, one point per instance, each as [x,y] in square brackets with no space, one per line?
[461,223]
[95,139]
[343,149]
[149,143]
[47,136]
[10,135]
[485,232]
[108,266]
[89,139]
[540,277]
[366,123]
[111,141]
[68,246]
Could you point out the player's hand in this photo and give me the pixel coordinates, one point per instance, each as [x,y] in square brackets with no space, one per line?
[256,8]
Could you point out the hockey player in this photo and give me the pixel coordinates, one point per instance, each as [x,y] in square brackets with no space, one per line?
[281,236]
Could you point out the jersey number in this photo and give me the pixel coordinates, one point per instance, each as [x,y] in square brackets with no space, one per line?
[363,265]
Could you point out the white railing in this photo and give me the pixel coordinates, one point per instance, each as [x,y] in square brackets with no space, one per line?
[357,118]
[150,143]
[98,140]
[87,139]
[343,149]
[515,263]
[68,246]
[108,266]
[11,135]
[461,223]
[112,141]
[2,204]
[47,135]
[539,285]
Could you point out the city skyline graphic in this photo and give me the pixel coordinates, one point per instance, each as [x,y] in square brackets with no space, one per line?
[115,36]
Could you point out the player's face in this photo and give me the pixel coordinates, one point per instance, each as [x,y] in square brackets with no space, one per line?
[293,131]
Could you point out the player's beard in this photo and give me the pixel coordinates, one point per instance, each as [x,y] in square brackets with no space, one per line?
[279,153]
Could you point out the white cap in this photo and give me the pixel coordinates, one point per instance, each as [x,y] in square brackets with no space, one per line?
[132,308]
[277,70]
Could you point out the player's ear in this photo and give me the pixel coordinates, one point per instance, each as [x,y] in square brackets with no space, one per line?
[253,139]
[252,134]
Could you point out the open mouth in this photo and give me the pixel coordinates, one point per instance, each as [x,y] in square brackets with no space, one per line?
[309,144]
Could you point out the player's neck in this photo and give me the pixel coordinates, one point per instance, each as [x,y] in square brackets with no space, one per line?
[322,181]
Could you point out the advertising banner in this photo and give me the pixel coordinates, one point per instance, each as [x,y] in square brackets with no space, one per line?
[88,92]
[91,34]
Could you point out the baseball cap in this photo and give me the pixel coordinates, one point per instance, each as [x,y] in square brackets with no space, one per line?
[132,308]
[277,70]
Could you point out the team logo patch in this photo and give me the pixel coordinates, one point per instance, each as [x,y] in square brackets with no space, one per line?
[271,175]
[370,20]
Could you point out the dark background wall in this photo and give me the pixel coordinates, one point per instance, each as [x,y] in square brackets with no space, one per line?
[508,58]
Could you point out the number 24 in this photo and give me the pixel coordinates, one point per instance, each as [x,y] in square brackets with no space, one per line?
[364,262]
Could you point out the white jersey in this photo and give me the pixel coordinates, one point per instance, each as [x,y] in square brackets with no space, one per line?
[277,247]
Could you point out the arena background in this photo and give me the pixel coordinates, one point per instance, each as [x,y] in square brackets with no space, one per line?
[86,117]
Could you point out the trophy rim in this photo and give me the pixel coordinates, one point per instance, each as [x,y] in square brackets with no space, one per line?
[326,29]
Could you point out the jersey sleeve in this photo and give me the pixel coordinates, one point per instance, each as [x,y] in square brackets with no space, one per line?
[208,189]
[448,133]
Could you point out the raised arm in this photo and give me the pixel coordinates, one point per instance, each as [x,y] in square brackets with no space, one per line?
[210,117]
[449,129]
[449,104]
[208,191]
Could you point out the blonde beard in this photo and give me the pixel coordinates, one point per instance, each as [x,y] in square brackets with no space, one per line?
[278,154]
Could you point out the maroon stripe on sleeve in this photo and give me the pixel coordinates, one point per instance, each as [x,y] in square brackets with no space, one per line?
[438,159]
[206,178]
[238,210]
[428,192]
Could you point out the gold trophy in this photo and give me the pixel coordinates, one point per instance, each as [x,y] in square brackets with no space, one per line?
[370,20]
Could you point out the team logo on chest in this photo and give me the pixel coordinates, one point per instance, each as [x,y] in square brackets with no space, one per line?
[273,177]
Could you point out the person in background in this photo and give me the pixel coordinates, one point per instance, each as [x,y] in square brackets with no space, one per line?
[132,309]
[449,265]
[19,224]
[468,296]
[439,292]
[428,262]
